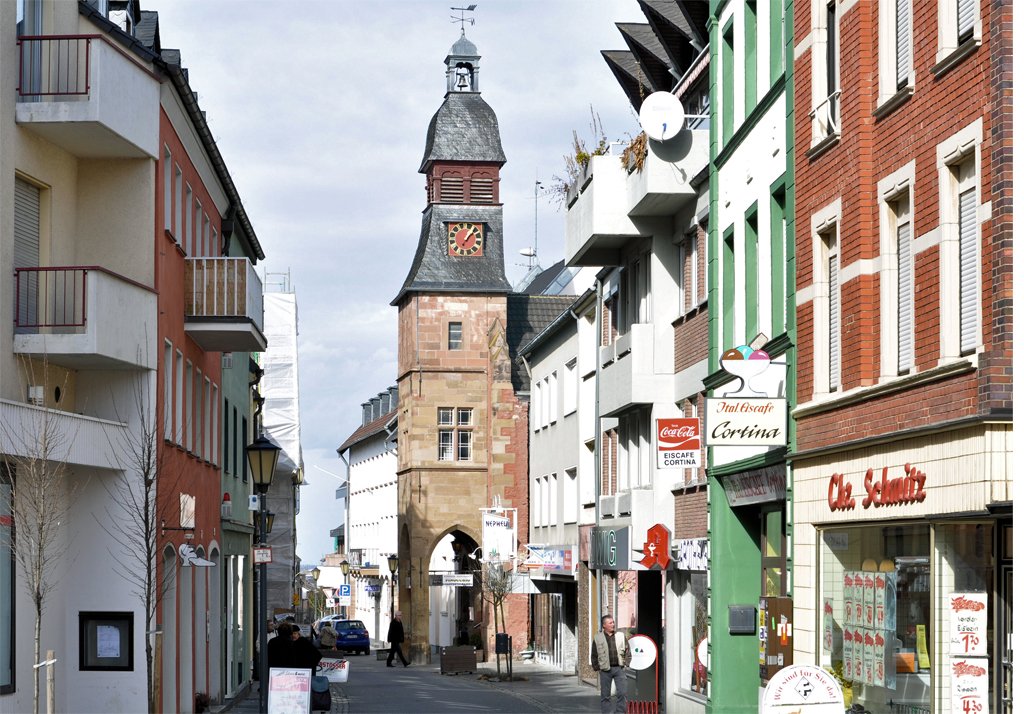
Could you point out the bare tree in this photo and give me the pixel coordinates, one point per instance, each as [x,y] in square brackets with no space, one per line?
[41,493]
[497,582]
[133,519]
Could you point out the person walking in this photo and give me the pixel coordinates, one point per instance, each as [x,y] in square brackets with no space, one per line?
[396,636]
[609,655]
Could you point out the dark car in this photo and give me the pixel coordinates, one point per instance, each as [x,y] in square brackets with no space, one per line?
[352,635]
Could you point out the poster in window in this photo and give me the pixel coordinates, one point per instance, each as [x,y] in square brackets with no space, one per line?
[968,615]
[105,641]
[968,685]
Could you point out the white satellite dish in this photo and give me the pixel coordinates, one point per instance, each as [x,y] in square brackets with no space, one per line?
[662,116]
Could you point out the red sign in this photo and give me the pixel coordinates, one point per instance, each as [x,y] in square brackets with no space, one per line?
[656,548]
[679,443]
[906,489]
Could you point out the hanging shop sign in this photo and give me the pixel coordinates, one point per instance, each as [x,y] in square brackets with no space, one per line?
[762,485]
[556,559]
[655,551]
[691,554]
[880,490]
[679,443]
[609,548]
[739,421]
[498,535]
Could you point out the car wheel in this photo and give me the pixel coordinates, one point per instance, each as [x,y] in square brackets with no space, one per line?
[366,651]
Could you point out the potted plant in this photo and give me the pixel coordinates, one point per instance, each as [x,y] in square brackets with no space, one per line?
[529,652]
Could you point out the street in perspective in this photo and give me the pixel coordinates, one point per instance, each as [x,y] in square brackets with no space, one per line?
[628,356]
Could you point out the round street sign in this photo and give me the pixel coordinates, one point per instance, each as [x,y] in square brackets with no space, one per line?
[805,688]
[643,651]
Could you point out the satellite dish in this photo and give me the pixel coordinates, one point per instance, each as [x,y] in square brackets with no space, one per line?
[662,116]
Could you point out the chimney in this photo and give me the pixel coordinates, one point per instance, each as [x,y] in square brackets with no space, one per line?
[374,407]
[393,391]
[385,402]
[367,418]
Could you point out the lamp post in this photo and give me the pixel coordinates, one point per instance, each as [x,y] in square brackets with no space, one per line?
[262,455]
[345,565]
[315,573]
[393,567]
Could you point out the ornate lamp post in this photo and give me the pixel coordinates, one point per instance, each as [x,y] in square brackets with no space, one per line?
[393,567]
[345,566]
[262,455]
[315,573]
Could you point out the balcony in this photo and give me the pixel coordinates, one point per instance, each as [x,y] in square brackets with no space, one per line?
[629,377]
[84,317]
[639,507]
[81,440]
[662,187]
[597,224]
[88,96]
[224,305]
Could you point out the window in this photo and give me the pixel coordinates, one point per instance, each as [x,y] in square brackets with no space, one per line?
[190,248]
[198,445]
[825,298]
[570,497]
[168,391]
[832,67]
[208,406]
[455,335]
[168,208]
[773,553]
[179,373]
[728,290]
[693,269]
[234,439]
[455,444]
[215,403]
[245,441]
[465,416]
[749,56]
[634,453]
[569,387]
[904,286]
[552,515]
[200,234]
[776,39]
[638,290]
[825,71]
[691,588]
[778,259]
[553,398]
[895,53]
[208,247]
[214,246]
[445,448]
[227,440]
[445,416]
[189,406]
[960,31]
[176,228]
[728,83]
[6,579]
[465,452]
[537,405]
[961,214]
[751,271]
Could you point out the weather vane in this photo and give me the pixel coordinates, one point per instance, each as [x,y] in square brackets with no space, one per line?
[462,16]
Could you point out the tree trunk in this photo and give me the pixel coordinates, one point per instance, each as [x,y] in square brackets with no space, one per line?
[36,660]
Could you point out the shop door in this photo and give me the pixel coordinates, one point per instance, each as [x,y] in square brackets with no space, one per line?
[556,630]
[1005,684]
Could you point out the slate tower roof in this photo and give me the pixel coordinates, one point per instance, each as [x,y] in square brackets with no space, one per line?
[461,160]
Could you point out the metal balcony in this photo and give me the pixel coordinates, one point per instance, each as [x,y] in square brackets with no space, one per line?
[84,317]
[224,305]
[88,96]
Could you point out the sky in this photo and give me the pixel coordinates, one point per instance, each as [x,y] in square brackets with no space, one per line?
[320,110]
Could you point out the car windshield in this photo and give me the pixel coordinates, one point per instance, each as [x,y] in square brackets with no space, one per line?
[349,625]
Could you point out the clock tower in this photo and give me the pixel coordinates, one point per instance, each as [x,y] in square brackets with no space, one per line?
[458,414]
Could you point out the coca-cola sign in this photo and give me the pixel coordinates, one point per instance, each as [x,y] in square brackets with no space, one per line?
[679,443]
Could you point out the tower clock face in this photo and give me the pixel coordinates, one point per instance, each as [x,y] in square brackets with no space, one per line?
[465,239]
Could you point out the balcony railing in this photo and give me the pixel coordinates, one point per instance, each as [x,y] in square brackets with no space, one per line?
[54,65]
[224,304]
[50,298]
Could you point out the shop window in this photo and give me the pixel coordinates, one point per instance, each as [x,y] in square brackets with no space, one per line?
[773,553]
[692,604]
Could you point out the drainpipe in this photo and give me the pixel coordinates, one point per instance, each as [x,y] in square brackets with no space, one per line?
[598,436]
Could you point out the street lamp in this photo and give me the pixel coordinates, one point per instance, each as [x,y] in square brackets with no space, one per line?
[345,566]
[262,455]
[315,573]
[270,522]
[393,567]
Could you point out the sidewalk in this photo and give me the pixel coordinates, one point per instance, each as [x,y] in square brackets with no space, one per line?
[545,687]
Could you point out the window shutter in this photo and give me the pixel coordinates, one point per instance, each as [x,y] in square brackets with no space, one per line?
[481,190]
[968,272]
[905,293]
[26,249]
[964,19]
[833,322]
[902,42]
[451,189]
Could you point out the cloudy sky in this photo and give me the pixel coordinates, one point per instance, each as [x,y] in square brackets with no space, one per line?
[321,108]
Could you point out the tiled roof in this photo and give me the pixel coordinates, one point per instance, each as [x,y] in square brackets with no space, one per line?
[528,315]
[464,128]
[367,430]
[433,270]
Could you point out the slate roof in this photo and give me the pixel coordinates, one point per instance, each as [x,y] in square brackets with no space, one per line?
[544,279]
[625,68]
[367,430]
[689,18]
[463,48]
[148,30]
[433,270]
[647,49]
[528,315]
[464,128]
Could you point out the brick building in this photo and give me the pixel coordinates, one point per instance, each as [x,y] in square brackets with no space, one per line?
[903,277]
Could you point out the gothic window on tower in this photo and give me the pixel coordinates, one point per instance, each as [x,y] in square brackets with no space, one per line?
[455,444]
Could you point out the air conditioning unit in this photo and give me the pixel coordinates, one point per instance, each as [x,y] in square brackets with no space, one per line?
[36,395]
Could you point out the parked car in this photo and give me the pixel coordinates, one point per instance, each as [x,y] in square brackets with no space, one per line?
[352,636]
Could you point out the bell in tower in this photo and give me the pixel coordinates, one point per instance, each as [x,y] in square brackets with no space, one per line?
[463,63]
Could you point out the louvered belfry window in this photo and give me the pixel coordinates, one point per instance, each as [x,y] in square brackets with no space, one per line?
[451,189]
[481,190]
[902,43]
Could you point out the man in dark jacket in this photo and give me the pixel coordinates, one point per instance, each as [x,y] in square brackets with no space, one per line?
[396,636]
[304,654]
[279,648]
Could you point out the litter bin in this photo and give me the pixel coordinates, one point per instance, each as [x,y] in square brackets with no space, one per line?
[502,643]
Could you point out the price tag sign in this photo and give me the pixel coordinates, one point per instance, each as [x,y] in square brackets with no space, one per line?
[968,685]
[968,618]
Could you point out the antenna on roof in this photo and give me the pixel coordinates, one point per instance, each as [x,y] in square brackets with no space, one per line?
[462,16]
